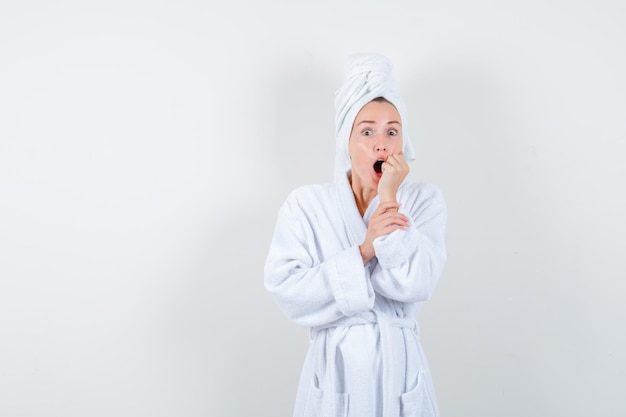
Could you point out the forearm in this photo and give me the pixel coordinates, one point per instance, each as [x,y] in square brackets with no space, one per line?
[315,295]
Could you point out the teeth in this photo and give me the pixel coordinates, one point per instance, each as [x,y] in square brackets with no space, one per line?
[378,165]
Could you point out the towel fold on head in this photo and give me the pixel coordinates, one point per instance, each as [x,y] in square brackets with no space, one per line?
[368,76]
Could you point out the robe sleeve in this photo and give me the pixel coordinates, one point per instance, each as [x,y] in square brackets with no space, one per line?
[409,262]
[311,291]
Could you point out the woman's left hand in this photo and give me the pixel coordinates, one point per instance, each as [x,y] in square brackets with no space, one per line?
[383,221]
[395,170]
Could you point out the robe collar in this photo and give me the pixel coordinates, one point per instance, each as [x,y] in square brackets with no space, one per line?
[355,224]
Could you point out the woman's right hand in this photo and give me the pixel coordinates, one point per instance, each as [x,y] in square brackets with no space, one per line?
[383,221]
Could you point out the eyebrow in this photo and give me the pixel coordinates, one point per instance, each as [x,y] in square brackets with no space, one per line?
[371,121]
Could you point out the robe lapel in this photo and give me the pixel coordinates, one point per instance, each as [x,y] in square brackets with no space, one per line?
[355,224]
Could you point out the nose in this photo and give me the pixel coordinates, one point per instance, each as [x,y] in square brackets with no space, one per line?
[381,147]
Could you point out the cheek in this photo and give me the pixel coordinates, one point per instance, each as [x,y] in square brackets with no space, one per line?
[358,156]
[397,146]
[363,154]
[352,148]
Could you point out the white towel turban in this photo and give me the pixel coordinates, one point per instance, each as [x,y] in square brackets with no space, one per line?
[367,77]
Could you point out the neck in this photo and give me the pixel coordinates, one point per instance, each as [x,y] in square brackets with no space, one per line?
[363,196]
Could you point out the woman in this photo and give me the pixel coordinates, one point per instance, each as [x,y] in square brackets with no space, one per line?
[354,260]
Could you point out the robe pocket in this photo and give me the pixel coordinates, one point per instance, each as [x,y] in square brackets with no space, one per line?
[316,403]
[417,402]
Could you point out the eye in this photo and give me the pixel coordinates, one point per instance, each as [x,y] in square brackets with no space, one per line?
[392,132]
[367,132]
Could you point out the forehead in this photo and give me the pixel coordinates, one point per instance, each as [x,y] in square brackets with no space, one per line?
[378,112]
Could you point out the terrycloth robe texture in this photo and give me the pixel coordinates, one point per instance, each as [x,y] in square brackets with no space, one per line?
[364,352]
[364,357]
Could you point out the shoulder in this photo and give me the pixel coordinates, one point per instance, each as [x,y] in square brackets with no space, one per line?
[308,196]
[419,196]
[420,191]
[310,192]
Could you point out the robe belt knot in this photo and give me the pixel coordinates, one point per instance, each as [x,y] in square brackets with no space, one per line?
[366,318]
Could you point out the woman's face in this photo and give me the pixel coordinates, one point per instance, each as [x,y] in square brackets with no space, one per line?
[376,134]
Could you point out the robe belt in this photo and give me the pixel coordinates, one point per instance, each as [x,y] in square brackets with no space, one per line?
[385,324]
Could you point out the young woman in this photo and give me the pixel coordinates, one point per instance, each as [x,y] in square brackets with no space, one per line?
[355,259]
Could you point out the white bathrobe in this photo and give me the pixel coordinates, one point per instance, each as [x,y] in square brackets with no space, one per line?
[364,358]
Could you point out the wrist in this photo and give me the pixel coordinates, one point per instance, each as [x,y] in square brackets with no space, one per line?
[387,198]
[367,252]
[387,194]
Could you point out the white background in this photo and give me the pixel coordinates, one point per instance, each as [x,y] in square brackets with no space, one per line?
[145,148]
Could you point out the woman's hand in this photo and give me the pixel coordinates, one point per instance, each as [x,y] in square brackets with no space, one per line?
[395,170]
[383,221]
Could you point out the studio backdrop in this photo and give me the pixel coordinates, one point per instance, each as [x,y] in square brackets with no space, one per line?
[145,148]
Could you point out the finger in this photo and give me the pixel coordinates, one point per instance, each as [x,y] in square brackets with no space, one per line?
[397,159]
[400,156]
[388,229]
[393,215]
[386,220]
[394,161]
[390,210]
[389,163]
[402,162]
[399,220]
[397,163]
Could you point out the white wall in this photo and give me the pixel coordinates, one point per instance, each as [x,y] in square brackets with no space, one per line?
[145,148]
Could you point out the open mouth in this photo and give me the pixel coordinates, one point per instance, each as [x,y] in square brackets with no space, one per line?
[378,166]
